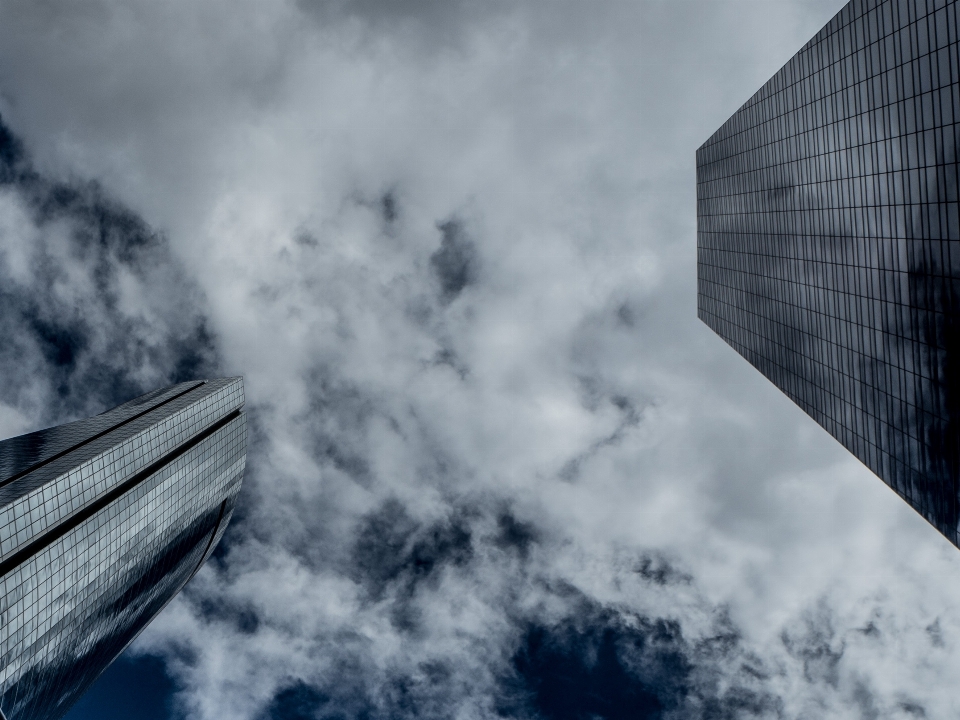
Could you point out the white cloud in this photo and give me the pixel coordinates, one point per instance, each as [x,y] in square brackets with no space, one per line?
[554,441]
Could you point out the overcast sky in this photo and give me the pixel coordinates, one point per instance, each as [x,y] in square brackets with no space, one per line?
[497,467]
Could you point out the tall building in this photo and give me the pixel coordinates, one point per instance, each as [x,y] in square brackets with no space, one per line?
[102,522]
[828,243]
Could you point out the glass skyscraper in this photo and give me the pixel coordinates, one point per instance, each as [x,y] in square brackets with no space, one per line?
[828,243]
[102,522]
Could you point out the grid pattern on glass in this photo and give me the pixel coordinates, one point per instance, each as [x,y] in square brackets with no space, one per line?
[20,454]
[828,243]
[84,595]
[68,610]
[47,496]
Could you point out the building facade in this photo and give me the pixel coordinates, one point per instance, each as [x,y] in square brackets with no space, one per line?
[102,522]
[828,243]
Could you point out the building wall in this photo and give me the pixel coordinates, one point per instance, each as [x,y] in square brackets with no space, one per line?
[115,529]
[829,240]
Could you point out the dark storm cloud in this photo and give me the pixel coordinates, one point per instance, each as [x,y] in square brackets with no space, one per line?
[243,618]
[935,633]
[514,534]
[656,568]
[388,207]
[11,155]
[455,263]
[392,551]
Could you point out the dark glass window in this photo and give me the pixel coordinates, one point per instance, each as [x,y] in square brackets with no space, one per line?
[827,225]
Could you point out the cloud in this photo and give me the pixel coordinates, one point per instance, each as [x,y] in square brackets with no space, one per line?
[451,249]
[94,307]
[454,263]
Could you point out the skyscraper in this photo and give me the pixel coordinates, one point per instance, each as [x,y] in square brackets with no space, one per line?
[102,522]
[828,243]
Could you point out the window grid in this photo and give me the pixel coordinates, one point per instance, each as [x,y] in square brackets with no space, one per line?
[829,240]
[69,609]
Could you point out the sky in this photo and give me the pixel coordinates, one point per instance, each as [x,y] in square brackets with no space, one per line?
[497,467]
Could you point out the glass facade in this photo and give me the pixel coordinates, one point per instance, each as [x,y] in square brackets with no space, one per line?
[828,243]
[102,522]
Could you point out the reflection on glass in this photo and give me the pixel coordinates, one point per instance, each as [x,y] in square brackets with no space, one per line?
[102,522]
[829,241]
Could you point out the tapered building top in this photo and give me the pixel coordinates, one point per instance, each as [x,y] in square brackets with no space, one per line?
[102,522]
